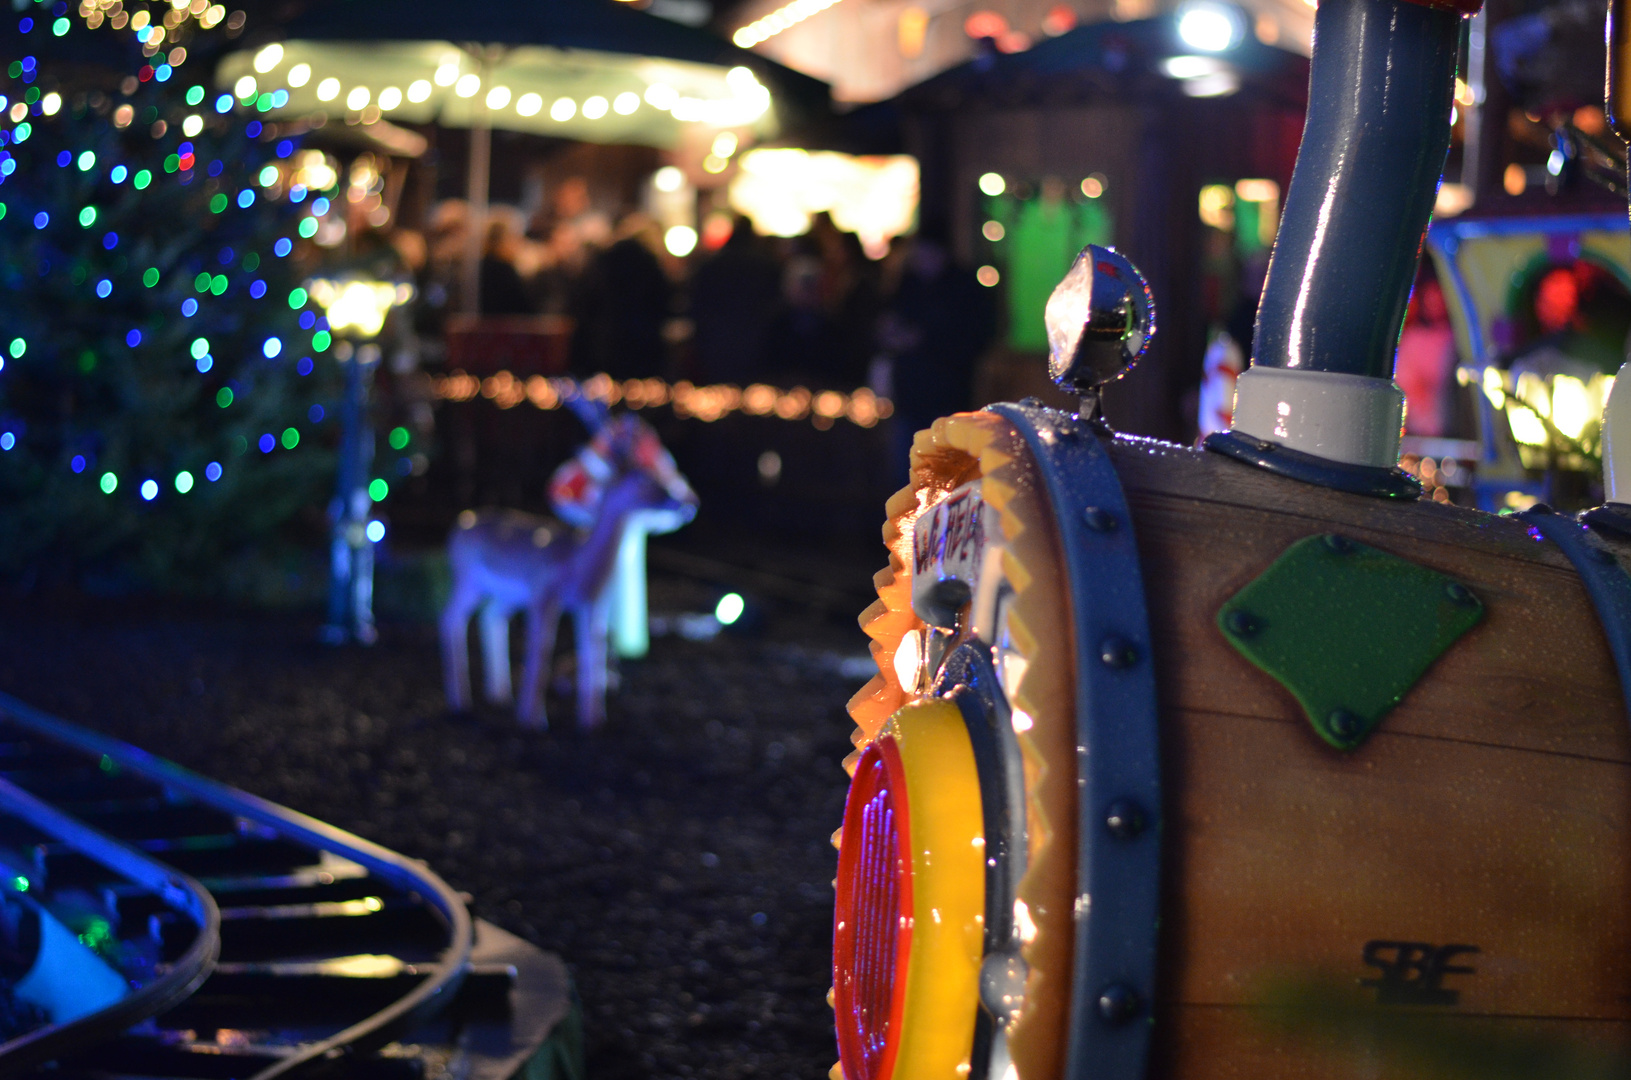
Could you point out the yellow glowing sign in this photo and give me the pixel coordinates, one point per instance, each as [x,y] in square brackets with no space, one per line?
[873,197]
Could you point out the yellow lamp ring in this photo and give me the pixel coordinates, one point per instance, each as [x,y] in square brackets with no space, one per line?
[909,926]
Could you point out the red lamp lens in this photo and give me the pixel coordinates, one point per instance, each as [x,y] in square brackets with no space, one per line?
[872,934]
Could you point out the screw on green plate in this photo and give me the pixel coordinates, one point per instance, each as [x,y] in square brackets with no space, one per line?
[1347,629]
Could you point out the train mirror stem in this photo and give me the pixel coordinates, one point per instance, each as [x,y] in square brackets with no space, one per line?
[1319,402]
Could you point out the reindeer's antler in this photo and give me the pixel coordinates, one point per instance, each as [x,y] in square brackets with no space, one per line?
[593,413]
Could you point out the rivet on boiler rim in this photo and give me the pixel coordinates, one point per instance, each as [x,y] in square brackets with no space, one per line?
[1118,1003]
[1125,819]
[1117,652]
[1099,519]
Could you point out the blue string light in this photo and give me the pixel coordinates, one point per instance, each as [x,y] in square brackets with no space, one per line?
[189,307]
[212,471]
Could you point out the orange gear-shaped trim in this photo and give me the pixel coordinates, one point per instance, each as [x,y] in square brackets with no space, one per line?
[987,448]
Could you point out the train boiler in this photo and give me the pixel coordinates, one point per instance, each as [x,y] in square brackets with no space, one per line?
[1158,728]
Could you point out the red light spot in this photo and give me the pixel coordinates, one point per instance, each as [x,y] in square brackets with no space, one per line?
[985,24]
[145,73]
[872,936]
[1557,300]
[716,230]
[185,161]
[1106,268]
[1060,19]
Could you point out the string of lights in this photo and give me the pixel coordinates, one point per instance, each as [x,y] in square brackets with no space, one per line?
[763,29]
[822,408]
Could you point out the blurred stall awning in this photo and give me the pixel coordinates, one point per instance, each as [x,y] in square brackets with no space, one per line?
[591,70]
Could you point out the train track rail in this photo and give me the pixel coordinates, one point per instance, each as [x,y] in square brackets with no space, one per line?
[277,945]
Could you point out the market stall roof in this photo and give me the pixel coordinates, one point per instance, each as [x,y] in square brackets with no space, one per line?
[1105,62]
[1131,62]
[593,70]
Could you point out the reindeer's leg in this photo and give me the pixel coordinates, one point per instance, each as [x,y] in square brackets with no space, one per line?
[455,629]
[590,627]
[542,618]
[495,648]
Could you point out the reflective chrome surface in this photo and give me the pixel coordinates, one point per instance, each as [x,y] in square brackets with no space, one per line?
[1100,319]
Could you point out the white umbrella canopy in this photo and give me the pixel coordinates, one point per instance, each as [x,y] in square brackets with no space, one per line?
[594,96]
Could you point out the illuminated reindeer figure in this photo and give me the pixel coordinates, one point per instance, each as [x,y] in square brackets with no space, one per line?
[505,562]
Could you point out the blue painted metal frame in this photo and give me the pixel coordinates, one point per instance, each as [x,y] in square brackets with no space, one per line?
[1444,240]
[1118,753]
[1605,579]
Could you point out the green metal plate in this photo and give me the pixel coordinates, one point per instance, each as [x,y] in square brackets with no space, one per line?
[1347,629]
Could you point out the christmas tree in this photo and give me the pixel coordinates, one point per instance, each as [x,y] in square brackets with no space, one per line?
[164,378]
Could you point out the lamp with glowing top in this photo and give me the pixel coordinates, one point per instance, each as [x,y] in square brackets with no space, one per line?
[356,307]
[356,310]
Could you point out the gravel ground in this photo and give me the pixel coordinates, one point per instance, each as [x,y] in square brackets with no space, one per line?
[678,858]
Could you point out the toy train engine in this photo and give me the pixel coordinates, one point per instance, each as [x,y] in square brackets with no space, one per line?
[1157,730]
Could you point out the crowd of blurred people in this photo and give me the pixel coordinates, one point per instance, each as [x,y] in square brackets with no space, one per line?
[810,311]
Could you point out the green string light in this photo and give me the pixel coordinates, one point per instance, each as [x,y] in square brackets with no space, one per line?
[150,276]
[223,396]
[218,203]
[291,438]
[110,483]
[297,298]
[141,180]
[378,489]
[399,438]
[87,217]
